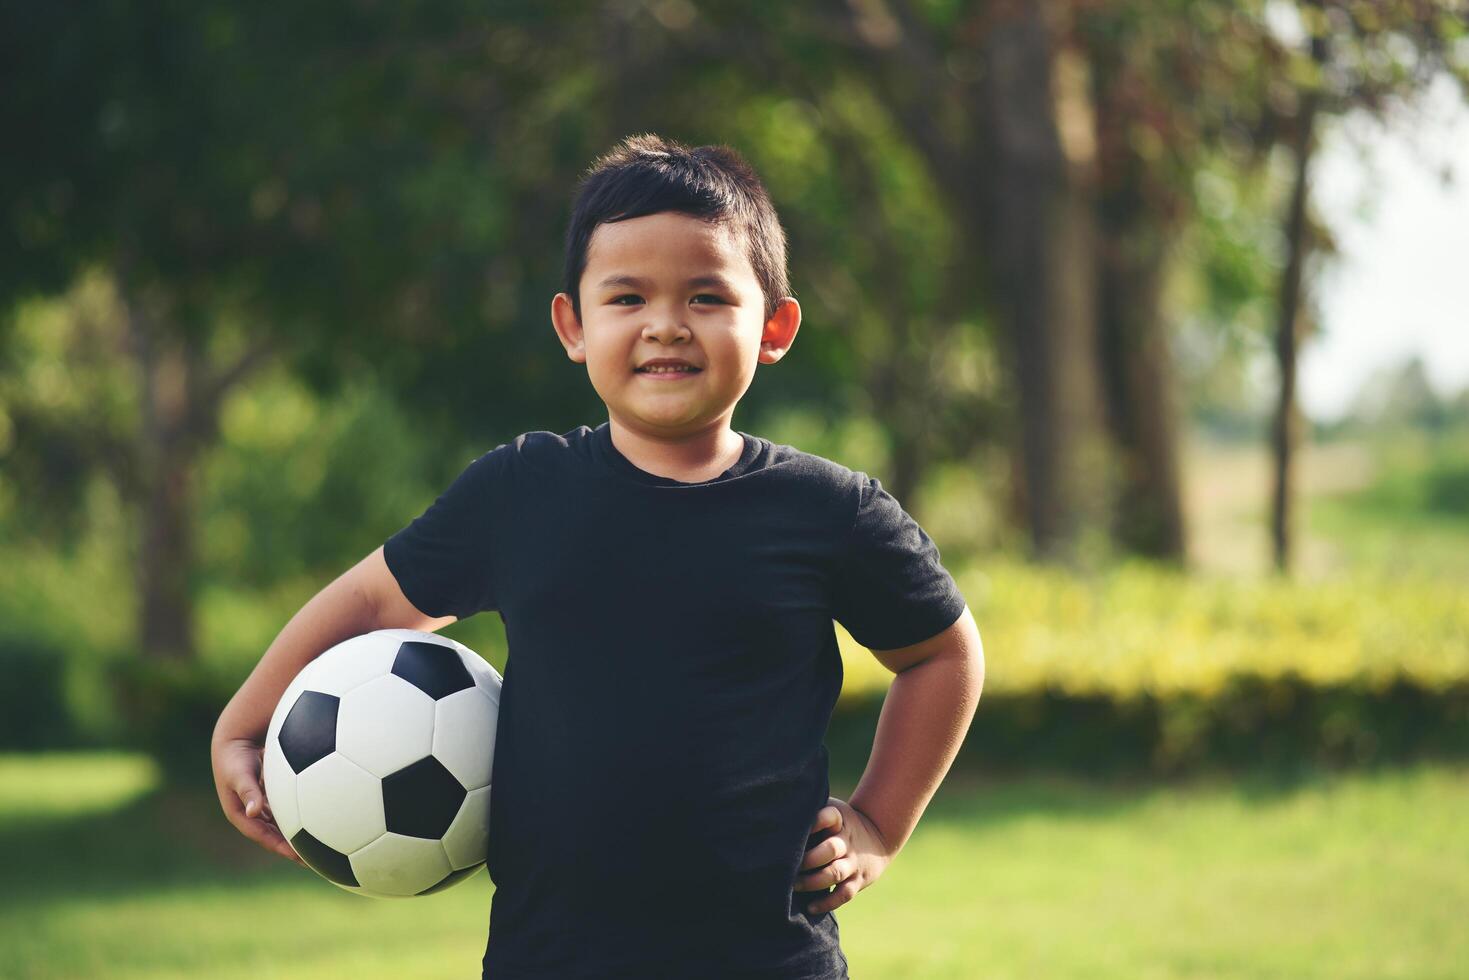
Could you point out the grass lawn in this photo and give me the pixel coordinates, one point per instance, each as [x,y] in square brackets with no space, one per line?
[1355,875]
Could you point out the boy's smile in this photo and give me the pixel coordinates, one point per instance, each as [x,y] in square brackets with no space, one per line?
[672,327]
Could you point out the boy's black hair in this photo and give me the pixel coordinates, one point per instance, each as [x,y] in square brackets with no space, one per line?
[648,174]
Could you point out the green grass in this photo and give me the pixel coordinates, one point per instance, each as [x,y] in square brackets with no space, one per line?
[1349,875]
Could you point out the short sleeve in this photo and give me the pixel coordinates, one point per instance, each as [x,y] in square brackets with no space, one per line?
[442,559]
[890,589]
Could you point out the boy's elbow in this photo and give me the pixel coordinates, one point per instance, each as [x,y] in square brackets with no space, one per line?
[963,651]
[978,664]
[969,649]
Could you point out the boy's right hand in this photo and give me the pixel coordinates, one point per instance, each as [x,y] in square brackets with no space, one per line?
[237,781]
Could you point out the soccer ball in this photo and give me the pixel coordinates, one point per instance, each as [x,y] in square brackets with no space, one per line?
[377,762]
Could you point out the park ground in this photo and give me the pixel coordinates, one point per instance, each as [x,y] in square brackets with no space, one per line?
[1358,874]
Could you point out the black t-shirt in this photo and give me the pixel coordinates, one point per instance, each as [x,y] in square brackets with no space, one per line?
[672,669]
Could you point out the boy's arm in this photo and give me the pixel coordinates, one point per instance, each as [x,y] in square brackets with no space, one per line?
[364,598]
[922,724]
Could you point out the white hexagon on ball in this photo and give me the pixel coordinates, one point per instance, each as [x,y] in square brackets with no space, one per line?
[351,667]
[464,736]
[468,837]
[341,803]
[398,865]
[486,678]
[385,724]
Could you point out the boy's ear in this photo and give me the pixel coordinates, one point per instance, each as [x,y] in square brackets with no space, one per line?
[780,330]
[568,327]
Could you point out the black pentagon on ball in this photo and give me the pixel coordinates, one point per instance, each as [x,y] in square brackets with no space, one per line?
[433,668]
[310,729]
[324,860]
[421,800]
[452,878]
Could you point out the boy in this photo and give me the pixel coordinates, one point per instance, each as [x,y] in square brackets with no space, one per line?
[668,586]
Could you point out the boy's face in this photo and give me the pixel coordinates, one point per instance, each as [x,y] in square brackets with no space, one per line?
[668,285]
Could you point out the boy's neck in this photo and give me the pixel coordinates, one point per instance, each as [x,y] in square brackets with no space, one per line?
[689,458]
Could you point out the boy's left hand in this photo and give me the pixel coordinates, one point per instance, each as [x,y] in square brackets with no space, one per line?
[852,857]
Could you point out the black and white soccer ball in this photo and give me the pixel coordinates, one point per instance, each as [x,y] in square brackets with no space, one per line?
[377,762]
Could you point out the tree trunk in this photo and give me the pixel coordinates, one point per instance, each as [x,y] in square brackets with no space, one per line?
[166,548]
[1137,379]
[1136,364]
[1285,432]
[1043,246]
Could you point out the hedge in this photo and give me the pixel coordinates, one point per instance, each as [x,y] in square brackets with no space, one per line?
[1144,668]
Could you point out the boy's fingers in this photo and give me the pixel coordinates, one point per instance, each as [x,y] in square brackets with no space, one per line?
[245,805]
[824,853]
[828,816]
[270,838]
[254,800]
[826,877]
[258,825]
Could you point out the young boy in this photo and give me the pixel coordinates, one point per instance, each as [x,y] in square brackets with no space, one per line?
[668,587]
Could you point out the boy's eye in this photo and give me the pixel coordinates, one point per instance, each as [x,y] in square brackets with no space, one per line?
[717,299]
[619,300]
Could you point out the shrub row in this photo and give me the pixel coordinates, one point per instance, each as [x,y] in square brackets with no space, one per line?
[1138,629]
[1282,721]
[1145,669]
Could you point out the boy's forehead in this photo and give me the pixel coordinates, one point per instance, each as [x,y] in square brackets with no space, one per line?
[664,237]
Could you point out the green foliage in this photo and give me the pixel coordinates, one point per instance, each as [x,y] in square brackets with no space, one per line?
[296,482]
[1435,491]
[1221,293]
[1143,668]
[170,708]
[1399,400]
[66,615]
[1252,723]
[1446,489]
[33,709]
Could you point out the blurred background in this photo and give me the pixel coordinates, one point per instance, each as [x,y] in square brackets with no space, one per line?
[1153,313]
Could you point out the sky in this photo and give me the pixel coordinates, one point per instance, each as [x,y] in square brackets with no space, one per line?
[1401,285]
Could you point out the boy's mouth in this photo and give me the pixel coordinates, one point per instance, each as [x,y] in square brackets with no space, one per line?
[667,370]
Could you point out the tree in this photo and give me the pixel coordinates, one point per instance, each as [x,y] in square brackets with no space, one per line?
[1022,232]
[1359,56]
[344,190]
[1401,396]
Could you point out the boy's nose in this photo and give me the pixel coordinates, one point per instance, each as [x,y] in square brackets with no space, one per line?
[666,327]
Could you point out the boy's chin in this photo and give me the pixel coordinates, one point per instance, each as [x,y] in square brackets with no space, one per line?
[654,422]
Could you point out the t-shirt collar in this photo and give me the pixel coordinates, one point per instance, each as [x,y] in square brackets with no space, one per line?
[609,455]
